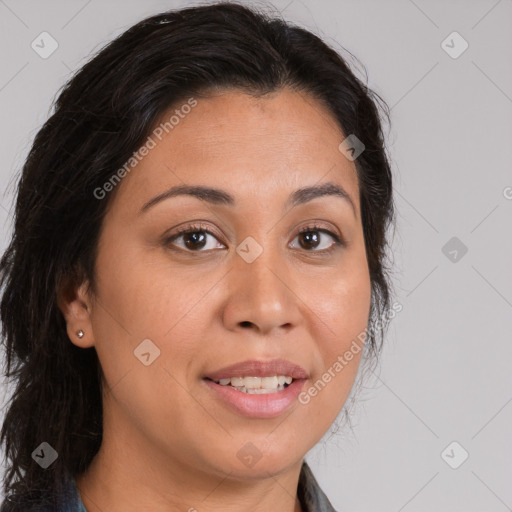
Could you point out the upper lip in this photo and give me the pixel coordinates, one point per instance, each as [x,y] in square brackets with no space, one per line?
[255,368]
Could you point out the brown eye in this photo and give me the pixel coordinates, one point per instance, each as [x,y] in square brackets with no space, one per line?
[315,239]
[309,239]
[195,239]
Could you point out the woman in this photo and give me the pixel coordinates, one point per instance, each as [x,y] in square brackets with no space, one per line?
[196,266]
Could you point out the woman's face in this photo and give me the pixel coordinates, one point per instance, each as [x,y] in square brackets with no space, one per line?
[173,308]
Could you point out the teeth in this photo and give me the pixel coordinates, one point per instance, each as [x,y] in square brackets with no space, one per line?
[269,382]
[257,385]
[261,391]
[237,381]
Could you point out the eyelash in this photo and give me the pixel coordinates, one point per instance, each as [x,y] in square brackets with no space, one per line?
[194,228]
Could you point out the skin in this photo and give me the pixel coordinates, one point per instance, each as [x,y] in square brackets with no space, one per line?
[169,443]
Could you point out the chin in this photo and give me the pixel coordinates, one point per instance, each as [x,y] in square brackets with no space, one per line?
[256,459]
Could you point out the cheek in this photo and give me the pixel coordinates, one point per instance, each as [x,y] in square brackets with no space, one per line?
[342,307]
[142,298]
[343,303]
[140,312]
[144,292]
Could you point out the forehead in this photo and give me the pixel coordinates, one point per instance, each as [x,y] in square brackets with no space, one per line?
[255,147]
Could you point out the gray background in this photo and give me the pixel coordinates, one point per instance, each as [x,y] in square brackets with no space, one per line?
[445,372]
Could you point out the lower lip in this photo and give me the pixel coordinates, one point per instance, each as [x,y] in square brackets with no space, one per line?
[268,405]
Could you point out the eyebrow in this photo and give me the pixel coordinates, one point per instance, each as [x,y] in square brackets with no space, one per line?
[218,196]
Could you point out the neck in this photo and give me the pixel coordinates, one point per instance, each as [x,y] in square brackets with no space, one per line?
[130,474]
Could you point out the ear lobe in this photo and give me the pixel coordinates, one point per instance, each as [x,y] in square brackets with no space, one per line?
[75,305]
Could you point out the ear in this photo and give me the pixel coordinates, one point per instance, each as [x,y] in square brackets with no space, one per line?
[73,299]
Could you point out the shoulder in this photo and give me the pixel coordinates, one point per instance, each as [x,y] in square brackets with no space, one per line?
[9,505]
[67,501]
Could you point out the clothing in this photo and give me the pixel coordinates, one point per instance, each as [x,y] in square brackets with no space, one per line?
[311,496]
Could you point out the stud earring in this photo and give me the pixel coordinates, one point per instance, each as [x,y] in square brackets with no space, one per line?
[80,333]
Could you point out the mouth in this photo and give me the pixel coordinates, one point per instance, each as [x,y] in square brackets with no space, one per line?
[256,403]
[258,389]
[257,385]
[254,368]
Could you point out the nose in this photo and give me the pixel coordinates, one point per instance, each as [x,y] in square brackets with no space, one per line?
[263,295]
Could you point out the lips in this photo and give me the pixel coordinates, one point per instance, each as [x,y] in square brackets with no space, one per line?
[255,368]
